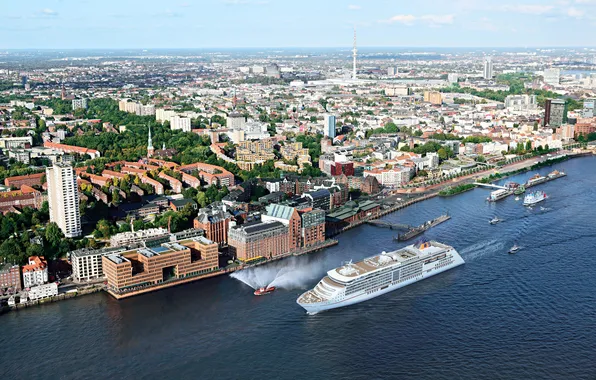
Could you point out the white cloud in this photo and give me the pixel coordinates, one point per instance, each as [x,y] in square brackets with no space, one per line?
[531,9]
[575,13]
[434,21]
[402,19]
[49,12]
[354,7]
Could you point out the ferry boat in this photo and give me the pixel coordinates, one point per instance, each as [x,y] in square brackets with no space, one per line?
[264,290]
[535,180]
[357,282]
[556,174]
[498,195]
[535,197]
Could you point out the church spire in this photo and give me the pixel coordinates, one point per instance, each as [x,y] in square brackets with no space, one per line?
[149,144]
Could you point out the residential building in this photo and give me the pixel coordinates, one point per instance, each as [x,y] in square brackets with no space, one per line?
[43,291]
[433,97]
[588,109]
[151,236]
[394,177]
[330,122]
[87,263]
[320,199]
[180,123]
[215,221]
[554,113]
[257,240]
[452,78]
[79,103]
[72,149]
[63,199]
[487,73]
[236,121]
[521,102]
[35,272]
[25,197]
[10,278]
[552,76]
[162,115]
[23,142]
[392,71]
[566,132]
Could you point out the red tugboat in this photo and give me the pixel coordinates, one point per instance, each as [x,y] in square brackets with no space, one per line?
[264,290]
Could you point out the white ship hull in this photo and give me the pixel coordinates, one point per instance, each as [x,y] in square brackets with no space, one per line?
[341,301]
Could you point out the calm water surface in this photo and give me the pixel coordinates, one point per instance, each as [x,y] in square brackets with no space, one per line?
[530,315]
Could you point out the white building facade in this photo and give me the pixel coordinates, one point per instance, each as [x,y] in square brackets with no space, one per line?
[63,198]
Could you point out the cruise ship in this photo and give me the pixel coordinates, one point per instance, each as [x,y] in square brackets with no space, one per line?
[357,282]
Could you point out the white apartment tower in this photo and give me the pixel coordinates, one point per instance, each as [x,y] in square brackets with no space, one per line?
[488,68]
[63,198]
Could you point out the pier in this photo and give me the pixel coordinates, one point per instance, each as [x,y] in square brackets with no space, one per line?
[490,185]
[415,231]
[391,226]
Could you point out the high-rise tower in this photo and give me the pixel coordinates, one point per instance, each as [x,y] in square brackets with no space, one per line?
[354,53]
[63,199]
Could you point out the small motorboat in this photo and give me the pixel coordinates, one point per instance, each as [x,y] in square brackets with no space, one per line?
[264,290]
[514,249]
[517,198]
[494,220]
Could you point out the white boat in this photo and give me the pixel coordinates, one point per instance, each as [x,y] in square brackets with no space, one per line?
[494,220]
[517,198]
[498,194]
[514,249]
[357,282]
[535,197]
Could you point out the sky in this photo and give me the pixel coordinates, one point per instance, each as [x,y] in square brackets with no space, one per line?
[115,24]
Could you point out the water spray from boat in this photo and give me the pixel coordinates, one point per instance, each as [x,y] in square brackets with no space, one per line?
[292,273]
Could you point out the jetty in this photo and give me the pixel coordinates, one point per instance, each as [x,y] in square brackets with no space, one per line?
[391,226]
[415,231]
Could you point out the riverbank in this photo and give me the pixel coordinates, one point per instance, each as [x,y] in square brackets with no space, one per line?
[456,190]
[56,298]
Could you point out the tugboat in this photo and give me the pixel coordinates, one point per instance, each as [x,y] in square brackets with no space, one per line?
[494,220]
[264,290]
[514,249]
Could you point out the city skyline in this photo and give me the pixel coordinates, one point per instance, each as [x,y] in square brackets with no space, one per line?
[153,24]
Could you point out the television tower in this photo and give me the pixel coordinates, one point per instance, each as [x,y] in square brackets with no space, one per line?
[355,53]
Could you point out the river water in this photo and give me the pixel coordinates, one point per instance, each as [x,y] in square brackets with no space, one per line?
[529,315]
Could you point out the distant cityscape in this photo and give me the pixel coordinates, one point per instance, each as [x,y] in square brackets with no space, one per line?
[130,174]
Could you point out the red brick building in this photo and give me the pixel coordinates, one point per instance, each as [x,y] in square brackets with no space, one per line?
[25,197]
[10,278]
[339,168]
[258,240]
[29,180]
[215,220]
[313,227]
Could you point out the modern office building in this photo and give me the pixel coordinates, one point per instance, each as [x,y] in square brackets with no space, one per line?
[329,126]
[554,113]
[488,68]
[63,198]
[145,269]
[319,199]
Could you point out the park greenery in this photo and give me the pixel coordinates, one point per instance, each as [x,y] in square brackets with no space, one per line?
[515,82]
[456,190]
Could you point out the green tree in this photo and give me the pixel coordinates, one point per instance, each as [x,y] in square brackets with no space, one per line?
[53,234]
